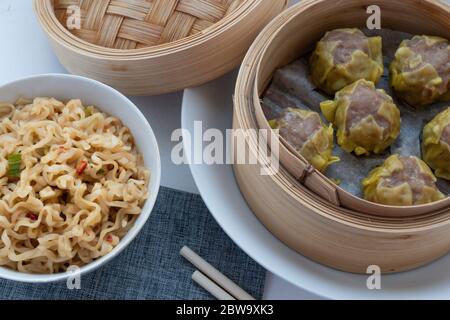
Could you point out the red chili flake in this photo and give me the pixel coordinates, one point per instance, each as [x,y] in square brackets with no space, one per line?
[81,167]
[32,216]
[109,238]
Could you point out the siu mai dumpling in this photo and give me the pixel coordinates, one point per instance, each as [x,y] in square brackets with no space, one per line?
[367,119]
[420,72]
[306,133]
[436,144]
[344,56]
[401,181]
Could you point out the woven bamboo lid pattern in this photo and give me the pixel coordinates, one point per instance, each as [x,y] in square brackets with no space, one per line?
[174,44]
[132,24]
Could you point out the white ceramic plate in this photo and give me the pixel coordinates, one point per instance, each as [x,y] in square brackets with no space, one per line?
[212,105]
[108,100]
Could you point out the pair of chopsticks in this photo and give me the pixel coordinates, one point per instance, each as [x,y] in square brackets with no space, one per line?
[212,280]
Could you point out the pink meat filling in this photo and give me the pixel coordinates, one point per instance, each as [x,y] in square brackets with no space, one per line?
[445,137]
[297,131]
[366,101]
[347,44]
[438,55]
[412,175]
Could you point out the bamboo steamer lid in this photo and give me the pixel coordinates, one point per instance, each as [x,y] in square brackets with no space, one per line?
[131,24]
[146,47]
[308,214]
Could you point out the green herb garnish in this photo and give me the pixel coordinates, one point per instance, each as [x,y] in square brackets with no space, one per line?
[14,162]
[100,171]
[88,111]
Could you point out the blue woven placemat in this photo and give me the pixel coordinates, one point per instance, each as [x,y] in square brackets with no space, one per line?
[151,267]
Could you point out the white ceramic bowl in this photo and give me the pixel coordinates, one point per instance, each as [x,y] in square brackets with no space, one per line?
[110,101]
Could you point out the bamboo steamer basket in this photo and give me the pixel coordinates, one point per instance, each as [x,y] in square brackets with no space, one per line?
[299,205]
[148,47]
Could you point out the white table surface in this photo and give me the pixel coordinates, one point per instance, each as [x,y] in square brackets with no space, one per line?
[26,51]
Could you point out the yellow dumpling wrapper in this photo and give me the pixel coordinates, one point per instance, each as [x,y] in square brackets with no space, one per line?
[420,71]
[401,181]
[366,118]
[344,56]
[305,131]
[436,144]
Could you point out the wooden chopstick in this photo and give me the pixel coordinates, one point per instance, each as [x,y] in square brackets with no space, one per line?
[215,275]
[211,286]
